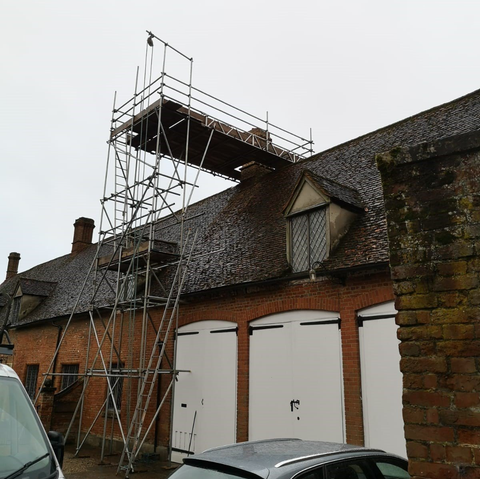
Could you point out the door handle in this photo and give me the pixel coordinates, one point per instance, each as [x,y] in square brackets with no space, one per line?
[294,403]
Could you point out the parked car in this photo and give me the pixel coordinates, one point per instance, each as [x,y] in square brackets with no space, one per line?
[26,451]
[292,458]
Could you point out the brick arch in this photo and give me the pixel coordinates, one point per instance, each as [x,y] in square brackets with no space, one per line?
[208,316]
[327,300]
[372,298]
[291,310]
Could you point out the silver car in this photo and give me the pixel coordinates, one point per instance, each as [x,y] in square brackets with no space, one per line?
[292,458]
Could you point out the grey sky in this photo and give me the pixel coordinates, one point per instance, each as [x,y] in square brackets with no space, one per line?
[342,68]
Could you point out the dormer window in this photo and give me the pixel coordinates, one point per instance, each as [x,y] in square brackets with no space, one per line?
[309,238]
[319,214]
[28,295]
[15,309]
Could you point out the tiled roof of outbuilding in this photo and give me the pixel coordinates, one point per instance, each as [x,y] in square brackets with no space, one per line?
[241,232]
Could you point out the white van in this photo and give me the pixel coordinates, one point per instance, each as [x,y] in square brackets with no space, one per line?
[26,451]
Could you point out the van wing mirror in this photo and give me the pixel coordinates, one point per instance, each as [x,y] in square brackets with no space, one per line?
[58,445]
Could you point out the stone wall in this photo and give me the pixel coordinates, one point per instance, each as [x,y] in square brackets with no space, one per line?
[432,198]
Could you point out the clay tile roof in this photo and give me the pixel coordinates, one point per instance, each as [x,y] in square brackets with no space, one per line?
[241,232]
[36,288]
[336,190]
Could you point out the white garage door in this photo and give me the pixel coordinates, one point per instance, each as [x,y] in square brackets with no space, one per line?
[381,379]
[205,397]
[296,377]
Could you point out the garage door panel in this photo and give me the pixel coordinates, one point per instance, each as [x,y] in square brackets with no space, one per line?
[219,388]
[205,395]
[381,380]
[295,378]
[319,382]
[270,370]
[187,394]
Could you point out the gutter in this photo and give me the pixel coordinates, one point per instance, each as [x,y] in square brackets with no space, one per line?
[340,273]
[334,273]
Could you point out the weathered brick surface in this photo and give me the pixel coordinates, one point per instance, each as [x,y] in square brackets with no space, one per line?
[45,406]
[433,212]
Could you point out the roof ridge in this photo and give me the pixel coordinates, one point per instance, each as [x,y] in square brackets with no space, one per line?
[390,126]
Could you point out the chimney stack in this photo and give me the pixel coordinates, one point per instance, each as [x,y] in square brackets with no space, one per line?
[253,170]
[12,268]
[83,233]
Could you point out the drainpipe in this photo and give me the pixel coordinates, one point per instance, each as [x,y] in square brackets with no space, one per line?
[155,440]
[59,336]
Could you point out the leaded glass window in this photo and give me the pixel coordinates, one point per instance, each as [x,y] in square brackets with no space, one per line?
[15,310]
[309,240]
[130,287]
[116,383]
[71,371]
[31,380]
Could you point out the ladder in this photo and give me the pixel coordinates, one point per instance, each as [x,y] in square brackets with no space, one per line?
[138,430]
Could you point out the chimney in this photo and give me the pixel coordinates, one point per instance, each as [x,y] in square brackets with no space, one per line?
[261,138]
[82,235]
[12,268]
[253,170]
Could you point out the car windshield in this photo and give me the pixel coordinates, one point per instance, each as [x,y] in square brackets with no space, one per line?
[21,439]
[191,472]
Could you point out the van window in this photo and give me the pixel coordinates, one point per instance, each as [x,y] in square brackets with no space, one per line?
[21,440]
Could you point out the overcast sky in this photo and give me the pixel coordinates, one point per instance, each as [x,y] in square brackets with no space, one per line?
[341,68]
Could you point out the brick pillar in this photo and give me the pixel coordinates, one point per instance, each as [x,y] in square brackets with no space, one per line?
[45,405]
[432,199]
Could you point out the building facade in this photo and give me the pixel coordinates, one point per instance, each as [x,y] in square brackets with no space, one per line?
[286,325]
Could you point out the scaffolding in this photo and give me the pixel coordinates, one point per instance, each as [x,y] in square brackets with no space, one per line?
[160,141]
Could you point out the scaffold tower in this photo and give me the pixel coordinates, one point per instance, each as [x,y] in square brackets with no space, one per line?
[161,140]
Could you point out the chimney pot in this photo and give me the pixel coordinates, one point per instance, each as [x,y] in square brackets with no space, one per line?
[82,235]
[12,268]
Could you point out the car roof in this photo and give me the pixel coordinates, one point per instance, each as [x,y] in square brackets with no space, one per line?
[7,371]
[263,458]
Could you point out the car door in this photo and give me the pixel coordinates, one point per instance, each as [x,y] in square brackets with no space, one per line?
[382,467]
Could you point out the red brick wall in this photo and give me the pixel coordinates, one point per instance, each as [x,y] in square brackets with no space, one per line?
[253,303]
[240,306]
[432,195]
[64,405]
